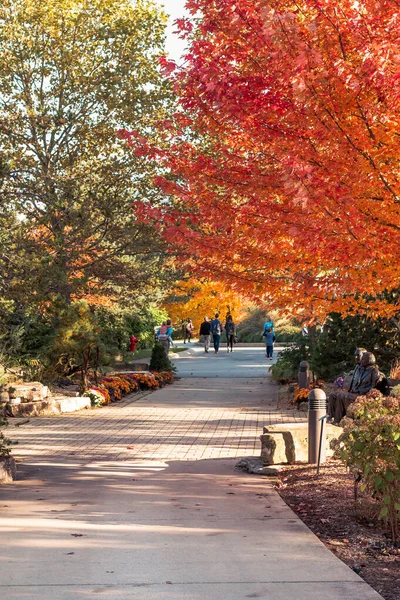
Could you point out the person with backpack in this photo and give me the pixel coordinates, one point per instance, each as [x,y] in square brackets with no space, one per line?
[269,325]
[216,330]
[230,329]
[205,329]
[269,342]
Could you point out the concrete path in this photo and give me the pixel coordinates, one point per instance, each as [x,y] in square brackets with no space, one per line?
[244,361]
[141,500]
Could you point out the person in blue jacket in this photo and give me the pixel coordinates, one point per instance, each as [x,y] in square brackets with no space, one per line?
[269,342]
[268,325]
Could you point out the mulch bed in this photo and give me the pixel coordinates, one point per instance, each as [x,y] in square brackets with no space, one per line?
[349,529]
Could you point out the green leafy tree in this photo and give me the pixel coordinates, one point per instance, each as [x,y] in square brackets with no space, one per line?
[72,73]
[77,342]
[333,351]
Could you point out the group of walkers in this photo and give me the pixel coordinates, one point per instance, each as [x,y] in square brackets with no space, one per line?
[215,329]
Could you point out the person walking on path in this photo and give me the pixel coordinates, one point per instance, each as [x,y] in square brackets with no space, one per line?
[216,330]
[230,329]
[269,342]
[169,333]
[205,330]
[269,324]
[188,331]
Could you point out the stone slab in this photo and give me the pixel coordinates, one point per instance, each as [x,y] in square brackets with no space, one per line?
[8,469]
[288,443]
[131,372]
[140,366]
[44,408]
[65,392]
[70,404]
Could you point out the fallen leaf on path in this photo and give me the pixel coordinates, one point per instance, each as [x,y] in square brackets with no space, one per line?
[335,543]
[130,448]
[169,582]
[69,553]
[78,534]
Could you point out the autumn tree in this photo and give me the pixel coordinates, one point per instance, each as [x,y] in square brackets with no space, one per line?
[72,73]
[196,299]
[282,162]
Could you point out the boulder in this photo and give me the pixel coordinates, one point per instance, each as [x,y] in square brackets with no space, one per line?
[31,391]
[288,443]
[33,409]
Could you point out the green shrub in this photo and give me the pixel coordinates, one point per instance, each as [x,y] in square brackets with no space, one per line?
[286,367]
[5,443]
[159,360]
[333,350]
[370,447]
[287,333]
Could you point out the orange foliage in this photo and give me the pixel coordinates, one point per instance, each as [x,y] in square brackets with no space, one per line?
[204,298]
[293,177]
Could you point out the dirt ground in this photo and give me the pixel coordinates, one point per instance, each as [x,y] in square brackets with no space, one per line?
[348,528]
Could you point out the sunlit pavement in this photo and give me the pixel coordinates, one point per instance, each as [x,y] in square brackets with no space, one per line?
[245,362]
[141,500]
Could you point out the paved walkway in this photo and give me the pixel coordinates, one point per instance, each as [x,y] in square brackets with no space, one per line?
[193,419]
[141,501]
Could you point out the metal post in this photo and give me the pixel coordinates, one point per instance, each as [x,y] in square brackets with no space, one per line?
[303,375]
[316,410]
[322,438]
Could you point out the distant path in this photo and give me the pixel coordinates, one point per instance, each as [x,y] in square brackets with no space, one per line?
[243,362]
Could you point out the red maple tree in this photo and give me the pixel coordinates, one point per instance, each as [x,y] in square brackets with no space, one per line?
[281,165]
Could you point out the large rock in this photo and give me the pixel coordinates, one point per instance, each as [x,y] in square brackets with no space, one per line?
[8,469]
[33,409]
[31,391]
[288,443]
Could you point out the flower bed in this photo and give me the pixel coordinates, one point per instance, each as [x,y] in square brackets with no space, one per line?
[114,387]
[300,395]
[99,396]
[163,378]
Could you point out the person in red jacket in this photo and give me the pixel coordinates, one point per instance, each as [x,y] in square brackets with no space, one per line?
[132,343]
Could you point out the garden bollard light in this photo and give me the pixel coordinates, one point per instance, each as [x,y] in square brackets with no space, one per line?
[303,375]
[316,437]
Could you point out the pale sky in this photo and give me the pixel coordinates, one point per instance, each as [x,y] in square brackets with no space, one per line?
[174,8]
